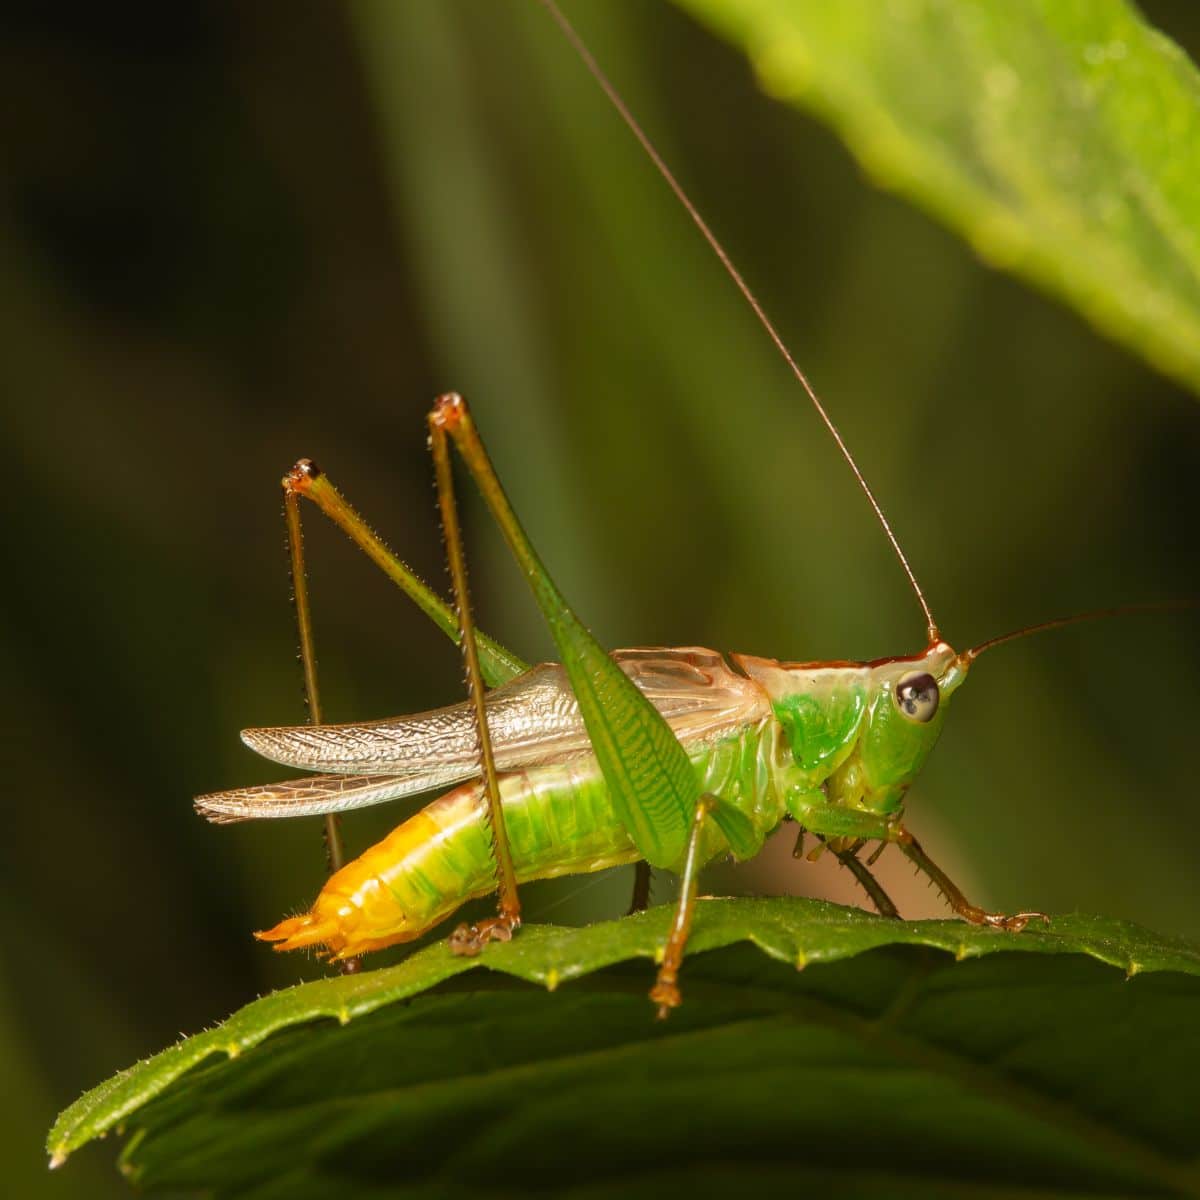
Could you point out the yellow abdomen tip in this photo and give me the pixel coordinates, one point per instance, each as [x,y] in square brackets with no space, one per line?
[294,933]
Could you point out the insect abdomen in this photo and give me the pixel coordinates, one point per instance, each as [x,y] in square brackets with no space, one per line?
[560,821]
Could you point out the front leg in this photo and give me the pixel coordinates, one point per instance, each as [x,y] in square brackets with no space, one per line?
[829,821]
[832,820]
[912,850]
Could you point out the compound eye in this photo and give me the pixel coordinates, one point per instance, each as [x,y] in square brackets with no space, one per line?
[917,696]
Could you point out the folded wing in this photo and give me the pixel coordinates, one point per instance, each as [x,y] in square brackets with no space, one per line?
[304,797]
[533,720]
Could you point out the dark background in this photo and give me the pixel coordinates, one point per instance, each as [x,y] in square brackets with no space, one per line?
[264,231]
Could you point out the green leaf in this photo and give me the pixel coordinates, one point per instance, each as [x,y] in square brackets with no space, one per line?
[881,1065]
[1061,137]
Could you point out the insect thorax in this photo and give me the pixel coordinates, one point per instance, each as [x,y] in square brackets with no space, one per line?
[853,739]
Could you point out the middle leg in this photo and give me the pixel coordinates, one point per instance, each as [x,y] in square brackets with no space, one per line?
[847,856]
[665,992]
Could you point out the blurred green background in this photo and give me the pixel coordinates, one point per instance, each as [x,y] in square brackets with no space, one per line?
[264,231]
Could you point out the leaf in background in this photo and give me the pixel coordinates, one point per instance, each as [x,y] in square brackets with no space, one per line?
[885,1063]
[1061,137]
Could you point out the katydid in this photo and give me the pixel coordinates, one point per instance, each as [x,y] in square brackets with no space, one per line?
[668,757]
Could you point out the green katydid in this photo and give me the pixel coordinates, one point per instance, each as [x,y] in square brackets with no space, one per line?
[668,757]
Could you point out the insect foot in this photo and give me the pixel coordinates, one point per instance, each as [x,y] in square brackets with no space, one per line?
[469,940]
[665,993]
[911,849]
[1013,924]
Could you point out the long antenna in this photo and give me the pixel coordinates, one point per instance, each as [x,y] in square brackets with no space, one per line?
[1095,614]
[711,238]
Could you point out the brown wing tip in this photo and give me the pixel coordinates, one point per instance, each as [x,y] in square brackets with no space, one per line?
[211,810]
[256,739]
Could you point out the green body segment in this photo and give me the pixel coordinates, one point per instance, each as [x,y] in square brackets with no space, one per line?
[560,820]
[852,748]
[832,749]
